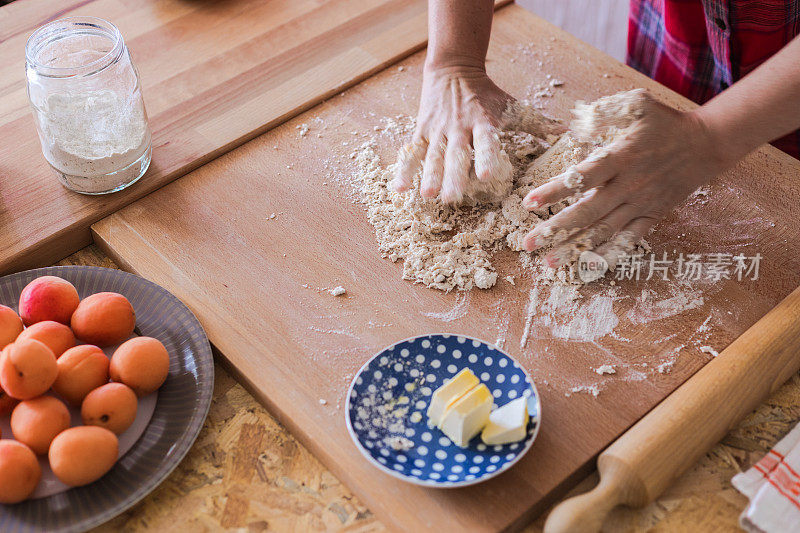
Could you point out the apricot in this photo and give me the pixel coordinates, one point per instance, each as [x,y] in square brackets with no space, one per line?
[112,406]
[7,403]
[27,369]
[37,422]
[141,363]
[10,325]
[83,454]
[104,319]
[19,471]
[55,335]
[48,298]
[80,370]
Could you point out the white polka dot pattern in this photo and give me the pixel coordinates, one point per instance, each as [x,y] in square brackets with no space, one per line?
[413,369]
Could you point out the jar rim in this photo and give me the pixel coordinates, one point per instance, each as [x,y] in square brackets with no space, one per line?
[50,31]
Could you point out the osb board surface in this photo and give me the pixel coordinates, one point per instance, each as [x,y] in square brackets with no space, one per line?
[213,75]
[247,471]
[256,282]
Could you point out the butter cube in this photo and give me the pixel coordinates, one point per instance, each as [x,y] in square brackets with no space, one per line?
[467,415]
[507,424]
[448,393]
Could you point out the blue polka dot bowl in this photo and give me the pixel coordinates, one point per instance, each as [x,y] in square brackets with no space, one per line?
[388,400]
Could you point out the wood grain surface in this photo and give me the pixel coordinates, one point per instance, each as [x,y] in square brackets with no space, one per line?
[246,471]
[257,282]
[214,74]
[673,436]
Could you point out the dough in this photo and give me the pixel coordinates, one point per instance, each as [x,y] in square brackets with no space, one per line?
[603,119]
[449,247]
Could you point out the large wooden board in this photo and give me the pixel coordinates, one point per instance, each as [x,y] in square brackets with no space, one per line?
[214,74]
[255,282]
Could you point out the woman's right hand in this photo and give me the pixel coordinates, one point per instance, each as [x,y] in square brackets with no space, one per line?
[459,112]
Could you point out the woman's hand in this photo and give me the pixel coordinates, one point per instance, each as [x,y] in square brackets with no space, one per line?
[460,109]
[639,179]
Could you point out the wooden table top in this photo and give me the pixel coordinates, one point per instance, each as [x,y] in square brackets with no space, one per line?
[247,471]
[232,71]
[255,282]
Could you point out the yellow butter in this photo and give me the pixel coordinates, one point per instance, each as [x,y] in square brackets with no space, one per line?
[467,415]
[447,394]
[507,424]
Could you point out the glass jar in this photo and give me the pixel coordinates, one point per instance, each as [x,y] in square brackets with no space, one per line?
[87,103]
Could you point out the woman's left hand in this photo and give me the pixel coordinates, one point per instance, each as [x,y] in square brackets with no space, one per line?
[663,158]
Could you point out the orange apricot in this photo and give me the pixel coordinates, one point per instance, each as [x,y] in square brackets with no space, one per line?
[7,403]
[55,335]
[112,406]
[104,319]
[37,422]
[48,298]
[142,363]
[27,369]
[10,325]
[83,454]
[19,471]
[80,370]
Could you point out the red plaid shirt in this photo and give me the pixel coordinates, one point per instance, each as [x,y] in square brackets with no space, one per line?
[700,47]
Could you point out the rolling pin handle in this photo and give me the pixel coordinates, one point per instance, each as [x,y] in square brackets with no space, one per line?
[585,513]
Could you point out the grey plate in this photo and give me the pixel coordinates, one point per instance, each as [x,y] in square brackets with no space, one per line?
[183,403]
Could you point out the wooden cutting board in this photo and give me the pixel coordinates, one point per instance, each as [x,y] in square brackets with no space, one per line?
[256,282]
[214,74]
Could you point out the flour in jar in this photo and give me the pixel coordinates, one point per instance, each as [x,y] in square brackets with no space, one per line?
[89,135]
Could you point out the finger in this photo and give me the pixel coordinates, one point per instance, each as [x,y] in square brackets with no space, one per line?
[433,169]
[574,218]
[591,237]
[488,151]
[409,162]
[594,171]
[457,162]
[626,240]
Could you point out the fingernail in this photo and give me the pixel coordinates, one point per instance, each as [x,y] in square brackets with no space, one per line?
[531,203]
[449,198]
[552,261]
[530,243]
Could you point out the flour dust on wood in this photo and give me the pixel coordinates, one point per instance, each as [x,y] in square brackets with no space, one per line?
[450,247]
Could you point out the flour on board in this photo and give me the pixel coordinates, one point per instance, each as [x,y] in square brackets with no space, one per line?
[594,390]
[605,369]
[450,247]
[649,308]
[337,291]
[459,310]
[709,350]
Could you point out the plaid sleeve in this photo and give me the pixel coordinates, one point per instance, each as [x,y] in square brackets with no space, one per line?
[698,48]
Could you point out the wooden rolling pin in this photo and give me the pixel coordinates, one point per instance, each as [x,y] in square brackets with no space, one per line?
[647,458]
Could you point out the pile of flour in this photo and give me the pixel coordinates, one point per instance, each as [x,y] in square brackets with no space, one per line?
[449,247]
[92,134]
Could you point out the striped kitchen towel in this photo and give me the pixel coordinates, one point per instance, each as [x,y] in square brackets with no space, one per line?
[773,487]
